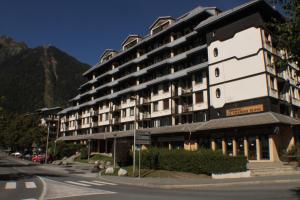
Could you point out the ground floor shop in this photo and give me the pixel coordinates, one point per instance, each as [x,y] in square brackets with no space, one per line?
[259,137]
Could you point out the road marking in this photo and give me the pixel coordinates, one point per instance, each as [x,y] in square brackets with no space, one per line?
[29,199]
[91,183]
[30,185]
[75,183]
[10,185]
[105,183]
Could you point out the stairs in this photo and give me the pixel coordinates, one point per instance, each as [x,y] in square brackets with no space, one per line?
[272,169]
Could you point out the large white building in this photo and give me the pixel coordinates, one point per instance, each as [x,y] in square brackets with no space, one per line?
[208,79]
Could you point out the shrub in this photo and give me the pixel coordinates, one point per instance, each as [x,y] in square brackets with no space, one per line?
[199,162]
[84,153]
[65,149]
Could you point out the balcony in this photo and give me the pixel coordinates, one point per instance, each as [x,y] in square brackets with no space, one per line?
[144,101]
[296,102]
[282,75]
[187,108]
[115,120]
[94,113]
[186,91]
[273,93]
[78,117]
[145,116]
[283,96]
[115,108]
[271,68]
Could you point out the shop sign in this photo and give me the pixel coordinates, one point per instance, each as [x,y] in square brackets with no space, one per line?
[245,110]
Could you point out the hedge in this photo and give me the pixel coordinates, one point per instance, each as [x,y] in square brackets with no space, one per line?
[202,161]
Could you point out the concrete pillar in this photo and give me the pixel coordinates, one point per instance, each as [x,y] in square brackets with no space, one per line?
[246,147]
[234,146]
[258,148]
[98,146]
[170,146]
[224,146]
[292,142]
[213,144]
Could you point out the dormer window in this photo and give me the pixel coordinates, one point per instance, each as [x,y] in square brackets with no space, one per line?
[107,55]
[160,24]
[130,41]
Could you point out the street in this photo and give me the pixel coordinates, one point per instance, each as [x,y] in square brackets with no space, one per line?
[20,181]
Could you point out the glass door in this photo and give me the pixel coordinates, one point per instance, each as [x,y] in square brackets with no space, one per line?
[240,146]
[265,150]
[252,154]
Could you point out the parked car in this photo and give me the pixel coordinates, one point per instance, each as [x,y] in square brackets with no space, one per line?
[41,158]
[16,154]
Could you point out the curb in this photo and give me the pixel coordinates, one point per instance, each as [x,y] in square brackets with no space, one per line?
[193,186]
[44,192]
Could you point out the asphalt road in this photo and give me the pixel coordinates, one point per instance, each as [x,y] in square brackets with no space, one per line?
[72,186]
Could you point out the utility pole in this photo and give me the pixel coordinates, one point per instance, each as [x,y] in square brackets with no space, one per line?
[134,135]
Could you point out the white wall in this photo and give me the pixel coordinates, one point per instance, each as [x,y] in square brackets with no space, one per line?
[248,88]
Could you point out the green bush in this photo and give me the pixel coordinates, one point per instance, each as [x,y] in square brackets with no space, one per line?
[84,153]
[199,162]
[65,149]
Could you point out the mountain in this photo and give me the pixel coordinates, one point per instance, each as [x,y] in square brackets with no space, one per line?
[31,78]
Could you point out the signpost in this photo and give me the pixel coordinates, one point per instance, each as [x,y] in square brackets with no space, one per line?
[141,138]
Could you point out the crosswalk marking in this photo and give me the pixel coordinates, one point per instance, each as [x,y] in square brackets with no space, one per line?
[75,183]
[10,185]
[30,185]
[105,183]
[91,183]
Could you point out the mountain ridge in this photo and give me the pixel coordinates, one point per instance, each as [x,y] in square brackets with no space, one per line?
[31,78]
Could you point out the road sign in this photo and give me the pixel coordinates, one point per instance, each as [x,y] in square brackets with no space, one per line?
[143,138]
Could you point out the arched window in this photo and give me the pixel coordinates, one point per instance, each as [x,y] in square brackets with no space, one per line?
[217,72]
[218,93]
[216,52]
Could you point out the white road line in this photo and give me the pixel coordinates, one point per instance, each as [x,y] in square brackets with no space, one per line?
[91,183]
[75,183]
[10,185]
[30,185]
[105,183]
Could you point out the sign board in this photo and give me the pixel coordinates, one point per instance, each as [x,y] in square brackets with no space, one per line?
[143,138]
[245,110]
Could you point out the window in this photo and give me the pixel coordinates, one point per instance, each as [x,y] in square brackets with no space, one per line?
[100,117]
[216,53]
[166,104]
[218,93]
[155,106]
[132,111]
[124,113]
[199,78]
[199,97]
[106,116]
[155,90]
[166,87]
[272,85]
[217,72]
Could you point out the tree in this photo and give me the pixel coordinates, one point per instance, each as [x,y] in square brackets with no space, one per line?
[288,31]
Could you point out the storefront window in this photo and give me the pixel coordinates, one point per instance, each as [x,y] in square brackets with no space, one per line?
[218,143]
[204,143]
[229,147]
[264,140]
[240,146]
[252,148]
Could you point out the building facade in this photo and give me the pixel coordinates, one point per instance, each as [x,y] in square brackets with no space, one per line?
[208,79]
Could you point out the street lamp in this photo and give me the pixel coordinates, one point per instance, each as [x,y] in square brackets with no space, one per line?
[47,143]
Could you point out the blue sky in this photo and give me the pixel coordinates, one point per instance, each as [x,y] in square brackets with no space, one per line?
[84,29]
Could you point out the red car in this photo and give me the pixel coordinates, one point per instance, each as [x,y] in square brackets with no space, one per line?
[38,158]
[41,158]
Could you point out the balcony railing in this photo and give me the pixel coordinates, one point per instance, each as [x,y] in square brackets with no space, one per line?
[146,115]
[283,96]
[187,90]
[271,68]
[273,92]
[296,101]
[187,108]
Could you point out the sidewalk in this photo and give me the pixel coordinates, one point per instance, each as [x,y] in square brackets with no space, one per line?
[83,170]
[173,183]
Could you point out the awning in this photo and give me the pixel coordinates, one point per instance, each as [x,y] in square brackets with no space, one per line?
[266,118]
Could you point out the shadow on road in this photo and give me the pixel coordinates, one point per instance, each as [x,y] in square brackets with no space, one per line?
[296,191]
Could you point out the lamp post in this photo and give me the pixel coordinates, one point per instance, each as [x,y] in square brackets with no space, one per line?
[47,143]
[89,149]
[115,147]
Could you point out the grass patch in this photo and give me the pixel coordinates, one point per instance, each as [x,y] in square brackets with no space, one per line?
[94,158]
